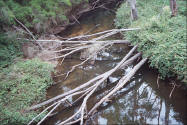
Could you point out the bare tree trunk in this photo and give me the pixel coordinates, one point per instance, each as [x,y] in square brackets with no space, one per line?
[159,111]
[167,111]
[134,12]
[173,7]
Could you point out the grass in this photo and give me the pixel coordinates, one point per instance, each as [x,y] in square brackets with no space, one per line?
[22,84]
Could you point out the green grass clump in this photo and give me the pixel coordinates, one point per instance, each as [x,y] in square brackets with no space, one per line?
[162,38]
[22,84]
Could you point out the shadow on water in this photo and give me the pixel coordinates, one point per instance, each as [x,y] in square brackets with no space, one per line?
[140,101]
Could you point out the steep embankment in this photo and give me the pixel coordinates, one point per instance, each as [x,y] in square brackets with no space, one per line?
[162,38]
[40,17]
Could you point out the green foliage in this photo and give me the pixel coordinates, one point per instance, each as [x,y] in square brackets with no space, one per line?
[6,15]
[162,39]
[32,12]
[37,14]
[67,2]
[76,2]
[72,2]
[123,16]
[9,48]
[22,85]
[182,9]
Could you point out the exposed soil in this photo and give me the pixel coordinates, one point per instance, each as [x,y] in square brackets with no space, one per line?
[32,51]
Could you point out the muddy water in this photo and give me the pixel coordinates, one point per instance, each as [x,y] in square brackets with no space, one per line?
[141,101]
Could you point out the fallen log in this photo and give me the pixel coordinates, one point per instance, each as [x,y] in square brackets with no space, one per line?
[85,42]
[82,86]
[120,84]
[82,36]
[103,32]
[83,106]
[85,92]
[87,36]
[79,48]
[88,49]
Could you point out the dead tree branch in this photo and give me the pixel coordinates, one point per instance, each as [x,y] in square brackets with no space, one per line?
[121,83]
[81,86]
[103,32]
[29,33]
[86,92]
[90,35]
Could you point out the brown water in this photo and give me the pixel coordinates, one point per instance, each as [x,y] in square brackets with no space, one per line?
[141,101]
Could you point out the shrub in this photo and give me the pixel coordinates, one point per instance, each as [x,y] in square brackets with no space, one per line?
[22,84]
[9,48]
[162,39]
[123,16]
[6,15]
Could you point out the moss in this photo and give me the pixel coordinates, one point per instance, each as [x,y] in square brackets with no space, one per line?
[23,84]
[162,39]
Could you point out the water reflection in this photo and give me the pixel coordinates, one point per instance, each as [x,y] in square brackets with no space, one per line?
[140,103]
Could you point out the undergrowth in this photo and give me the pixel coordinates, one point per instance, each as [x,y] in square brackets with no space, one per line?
[22,84]
[37,14]
[162,38]
[10,48]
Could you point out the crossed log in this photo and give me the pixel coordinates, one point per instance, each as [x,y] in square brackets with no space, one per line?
[86,90]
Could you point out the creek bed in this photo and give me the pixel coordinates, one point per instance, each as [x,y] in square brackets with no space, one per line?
[141,101]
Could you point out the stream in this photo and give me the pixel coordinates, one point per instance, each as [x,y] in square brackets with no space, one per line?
[139,102]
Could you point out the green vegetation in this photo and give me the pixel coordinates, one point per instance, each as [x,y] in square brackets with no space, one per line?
[123,16]
[162,38]
[22,84]
[38,14]
[9,48]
